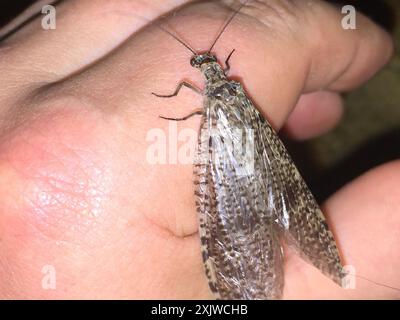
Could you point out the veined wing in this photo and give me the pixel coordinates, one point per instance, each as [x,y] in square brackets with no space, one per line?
[245,206]
[241,252]
[298,216]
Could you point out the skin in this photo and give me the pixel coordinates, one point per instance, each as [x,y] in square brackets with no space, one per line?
[77,191]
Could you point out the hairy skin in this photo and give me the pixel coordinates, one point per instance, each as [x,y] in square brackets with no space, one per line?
[77,191]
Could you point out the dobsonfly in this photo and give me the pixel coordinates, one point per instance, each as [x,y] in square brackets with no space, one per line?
[245,211]
[243,214]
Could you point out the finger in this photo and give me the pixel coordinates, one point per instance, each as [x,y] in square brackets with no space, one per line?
[283,51]
[316,53]
[125,78]
[24,18]
[274,69]
[85,31]
[315,114]
[365,219]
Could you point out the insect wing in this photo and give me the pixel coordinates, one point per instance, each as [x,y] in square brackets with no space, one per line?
[242,257]
[298,216]
[246,206]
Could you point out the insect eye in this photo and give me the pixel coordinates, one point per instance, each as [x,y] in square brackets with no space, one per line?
[193,62]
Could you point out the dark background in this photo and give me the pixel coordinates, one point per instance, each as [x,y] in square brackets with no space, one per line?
[10,8]
[369,133]
[381,11]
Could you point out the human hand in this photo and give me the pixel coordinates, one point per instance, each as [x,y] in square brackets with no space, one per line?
[77,190]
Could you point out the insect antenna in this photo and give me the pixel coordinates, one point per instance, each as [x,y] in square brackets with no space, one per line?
[177,39]
[217,38]
[226,25]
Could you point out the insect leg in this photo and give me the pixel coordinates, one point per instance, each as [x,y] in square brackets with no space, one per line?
[198,112]
[228,67]
[178,88]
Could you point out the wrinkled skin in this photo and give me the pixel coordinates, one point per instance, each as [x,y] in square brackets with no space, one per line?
[76,190]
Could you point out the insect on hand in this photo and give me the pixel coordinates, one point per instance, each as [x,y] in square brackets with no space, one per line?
[248,204]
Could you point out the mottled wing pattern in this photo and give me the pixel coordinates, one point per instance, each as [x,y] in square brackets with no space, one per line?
[241,255]
[245,208]
[299,218]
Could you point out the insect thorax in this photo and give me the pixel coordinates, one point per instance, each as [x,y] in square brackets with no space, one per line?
[213,73]
[217,86]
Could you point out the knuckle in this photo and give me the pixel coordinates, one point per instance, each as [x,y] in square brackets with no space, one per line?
[277,15]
